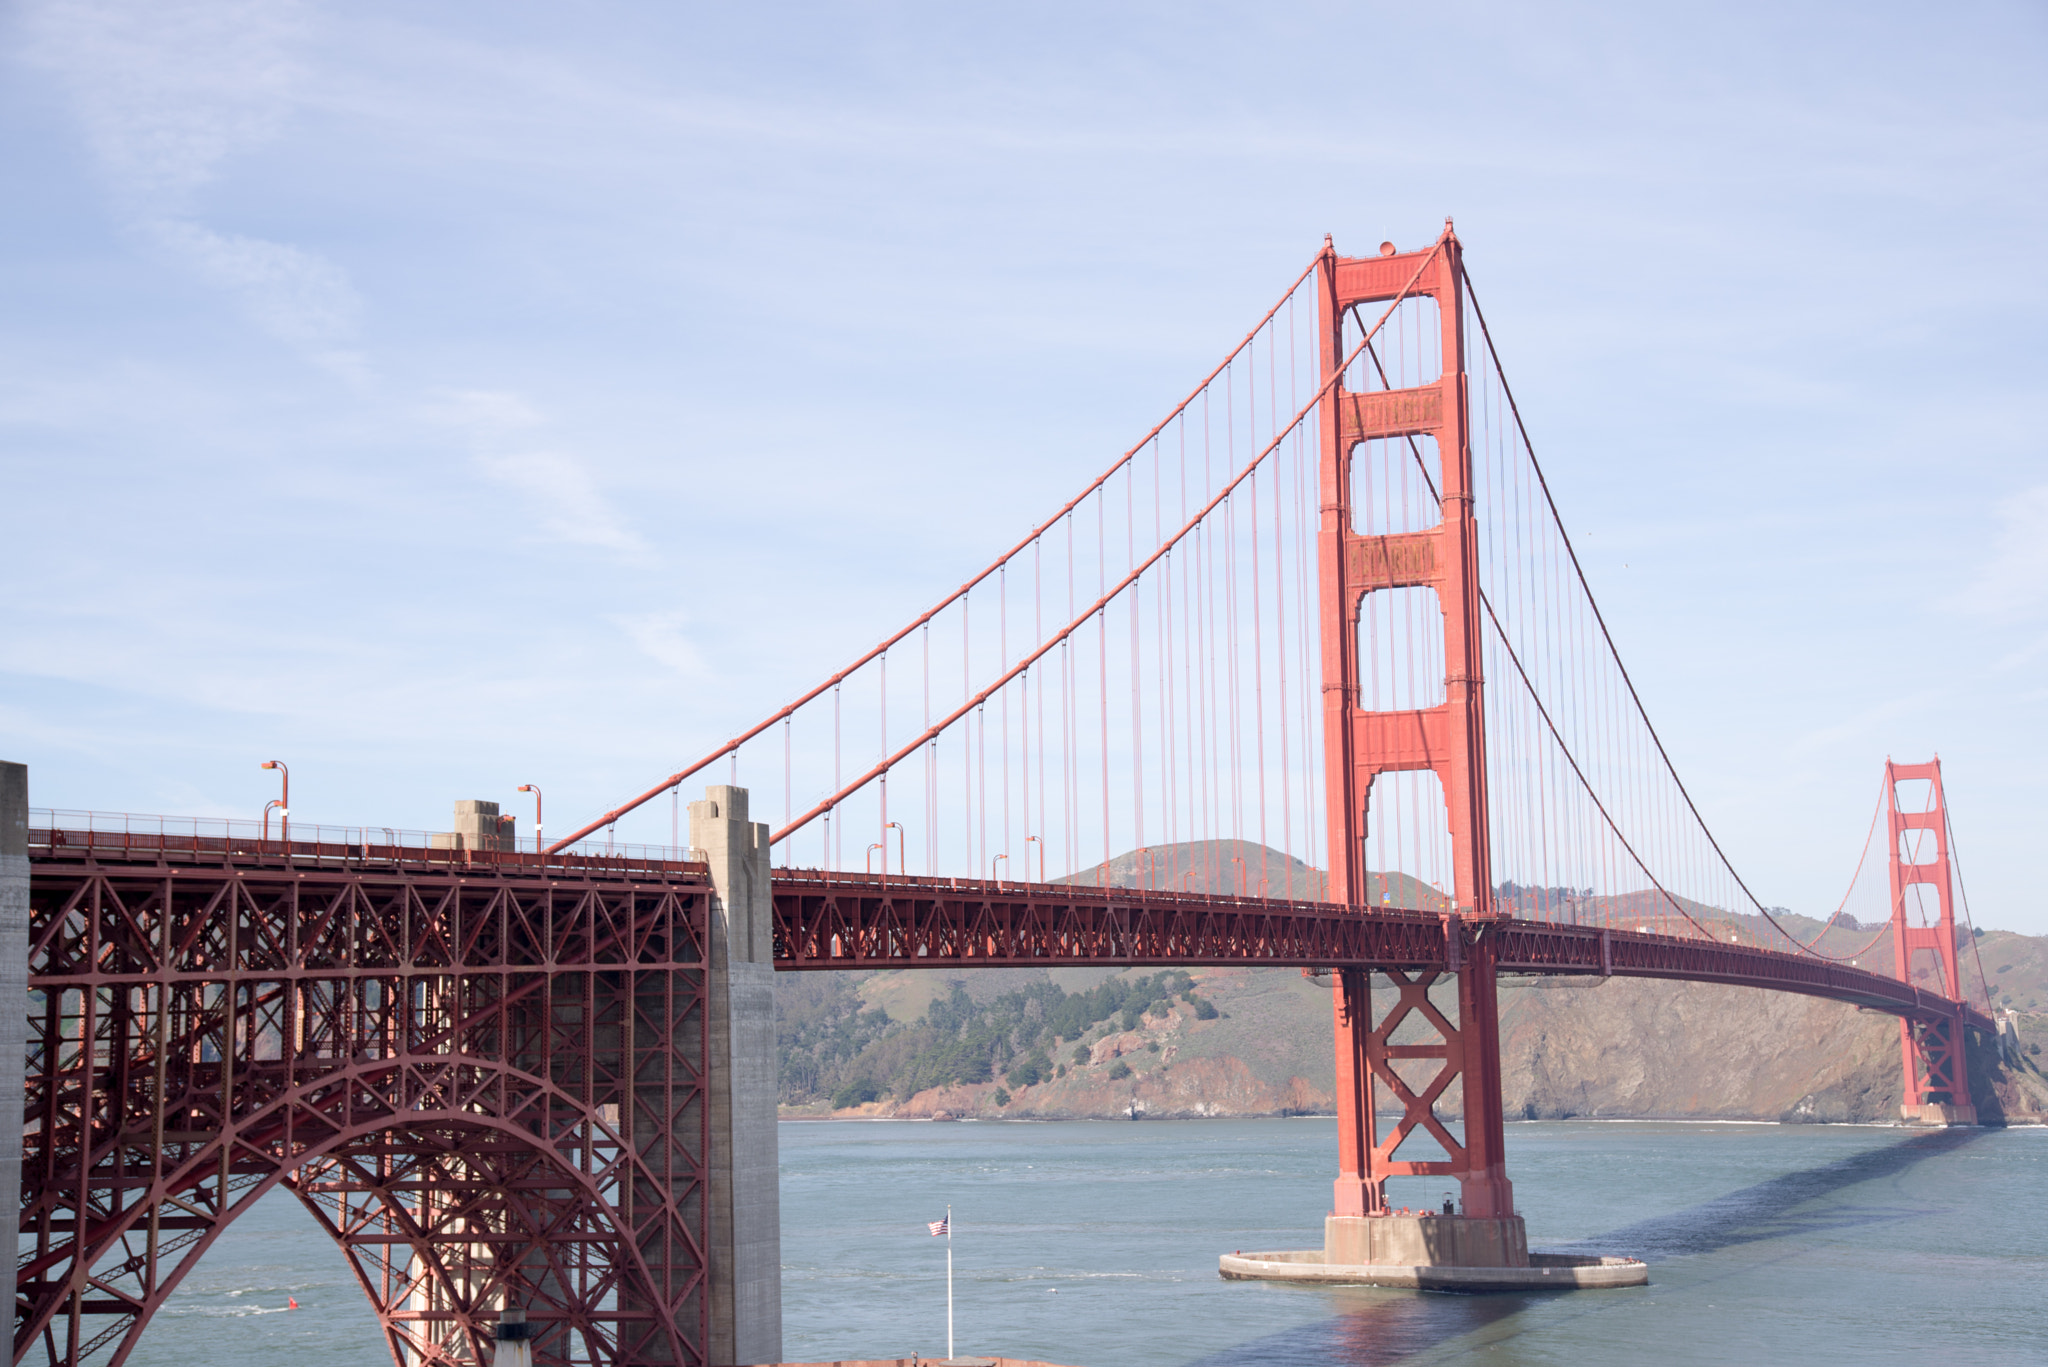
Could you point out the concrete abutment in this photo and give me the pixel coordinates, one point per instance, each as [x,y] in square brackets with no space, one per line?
[13,986]
[744,1234]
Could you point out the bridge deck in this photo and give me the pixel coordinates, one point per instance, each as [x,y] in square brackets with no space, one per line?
[839,920]
[832,920]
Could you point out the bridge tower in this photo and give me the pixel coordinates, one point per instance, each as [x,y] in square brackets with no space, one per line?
[1937,1071]
[1447,739]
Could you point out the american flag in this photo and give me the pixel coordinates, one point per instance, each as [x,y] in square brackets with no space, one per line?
[938,1227]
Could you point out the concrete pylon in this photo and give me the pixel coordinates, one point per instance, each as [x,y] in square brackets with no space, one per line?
[745,1217]
[13,987]
[478,826]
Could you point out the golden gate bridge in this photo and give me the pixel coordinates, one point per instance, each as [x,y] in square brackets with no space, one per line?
[1325,614]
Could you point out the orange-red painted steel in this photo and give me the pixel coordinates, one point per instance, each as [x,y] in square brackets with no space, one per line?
[832,920]
[1448,740]
[1936,1063]
[485,1079]
[835,920]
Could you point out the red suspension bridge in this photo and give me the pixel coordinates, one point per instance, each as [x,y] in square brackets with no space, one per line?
[1317,654]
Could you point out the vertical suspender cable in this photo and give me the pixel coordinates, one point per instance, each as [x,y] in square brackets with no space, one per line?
[931,776]
[882,793]
[1137,677]
[1003,656]
[1038,633]
[1102,668]
[1258,676]
[834,852]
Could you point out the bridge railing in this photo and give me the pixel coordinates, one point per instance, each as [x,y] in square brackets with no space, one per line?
[943,885]
[1651,912]
[1643,911]
[56,833]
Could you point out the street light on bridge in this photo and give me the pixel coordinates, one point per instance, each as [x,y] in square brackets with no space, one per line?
[534,788]
[283,803]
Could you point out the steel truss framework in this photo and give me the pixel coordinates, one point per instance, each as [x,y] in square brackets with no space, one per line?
[854,921]
[1376,1055]
[487,1083]
[839,921]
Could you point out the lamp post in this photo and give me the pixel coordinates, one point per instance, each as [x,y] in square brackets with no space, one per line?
[534,788]
[1041,855]
[995,877]
[902,863]
[282,803]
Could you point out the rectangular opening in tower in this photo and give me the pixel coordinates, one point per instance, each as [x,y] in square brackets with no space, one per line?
[1913,794]
[1400,650]
[1408,842]
[1394,484]
[1918,847]
[1407,351]
[1922,902]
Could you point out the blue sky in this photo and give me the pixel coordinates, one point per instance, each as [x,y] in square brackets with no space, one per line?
[444,398]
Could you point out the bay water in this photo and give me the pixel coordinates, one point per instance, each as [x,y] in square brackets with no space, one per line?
[1095,1243]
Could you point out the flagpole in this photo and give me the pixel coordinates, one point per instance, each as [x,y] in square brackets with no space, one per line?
[949,1281]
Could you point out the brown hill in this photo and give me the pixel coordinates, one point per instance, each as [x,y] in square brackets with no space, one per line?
[1610,1048]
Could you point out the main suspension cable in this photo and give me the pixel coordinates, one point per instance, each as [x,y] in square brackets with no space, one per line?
[733,745]
[1110,594]
[1600,618]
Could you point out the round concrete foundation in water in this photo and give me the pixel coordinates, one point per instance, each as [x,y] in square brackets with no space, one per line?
[1546,1272]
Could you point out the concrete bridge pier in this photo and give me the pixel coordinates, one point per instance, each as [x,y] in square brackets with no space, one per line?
[744,1220]
[1477,1244]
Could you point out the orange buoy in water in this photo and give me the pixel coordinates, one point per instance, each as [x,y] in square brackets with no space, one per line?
[290,1304]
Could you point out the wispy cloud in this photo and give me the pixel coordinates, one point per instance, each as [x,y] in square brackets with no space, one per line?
[505,437]
[168,91]
[1859,726]
[295,295]
[662,636]
[572,507]
[2013,584]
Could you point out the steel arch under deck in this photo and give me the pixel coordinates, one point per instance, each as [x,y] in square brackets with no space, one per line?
[484,1074]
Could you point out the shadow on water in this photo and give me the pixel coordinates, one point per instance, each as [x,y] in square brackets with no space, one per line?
[1383,1329]
[1770,1210]
[1386,1327]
